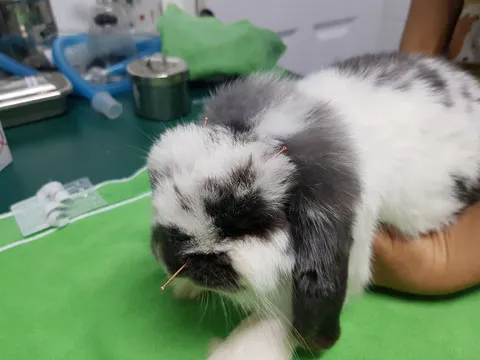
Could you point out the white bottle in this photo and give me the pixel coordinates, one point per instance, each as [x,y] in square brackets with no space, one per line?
[109,37]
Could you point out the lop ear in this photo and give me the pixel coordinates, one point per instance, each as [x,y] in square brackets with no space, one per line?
[320,275]
[321,214]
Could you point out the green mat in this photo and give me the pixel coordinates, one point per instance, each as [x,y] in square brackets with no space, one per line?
[91,291]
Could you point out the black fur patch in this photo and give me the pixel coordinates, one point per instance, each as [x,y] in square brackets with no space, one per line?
[236,215]
[171,243]
[184,201]
[467,95]
[398,71]
[321,215]
[388,68]
[154,177]
[432,78]
[436,82]
[365,64]
[466,193]
[236,105]
[212,270]
[405,85]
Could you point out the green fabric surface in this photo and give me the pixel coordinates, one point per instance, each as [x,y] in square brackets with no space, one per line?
[211,47]
[91,291]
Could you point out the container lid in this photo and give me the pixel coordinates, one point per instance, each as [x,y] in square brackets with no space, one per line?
[167,69]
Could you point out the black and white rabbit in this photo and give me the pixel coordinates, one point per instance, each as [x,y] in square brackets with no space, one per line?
[385,138]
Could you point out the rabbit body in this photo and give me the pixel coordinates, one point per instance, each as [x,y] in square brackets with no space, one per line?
[385,138]
[414,125]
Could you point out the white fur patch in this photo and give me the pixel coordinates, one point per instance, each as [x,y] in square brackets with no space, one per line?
[264,264]
[256,339]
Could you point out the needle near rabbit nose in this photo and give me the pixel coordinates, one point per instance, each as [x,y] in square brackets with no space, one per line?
[173,276]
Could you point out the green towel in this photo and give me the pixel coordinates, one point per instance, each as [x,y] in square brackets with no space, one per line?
[91,291]
[211,47]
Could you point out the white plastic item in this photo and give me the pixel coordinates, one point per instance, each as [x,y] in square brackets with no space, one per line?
[58,219]
[96,75]
[55,205]
[5,155]
[109,35]
[78,55]
[83,197]
[62,197]
[104,103]
[52,207]
[47,192]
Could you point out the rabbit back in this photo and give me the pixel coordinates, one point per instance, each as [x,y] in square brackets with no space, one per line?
[414,124]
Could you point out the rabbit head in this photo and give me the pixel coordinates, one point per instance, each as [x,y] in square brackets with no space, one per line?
[247,218]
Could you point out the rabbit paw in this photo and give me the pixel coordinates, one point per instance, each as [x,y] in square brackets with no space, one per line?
[254,339]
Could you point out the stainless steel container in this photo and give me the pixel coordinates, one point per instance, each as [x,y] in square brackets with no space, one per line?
[32,98]
[160,89]
[26,27]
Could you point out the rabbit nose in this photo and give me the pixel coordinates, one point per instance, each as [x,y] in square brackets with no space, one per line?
[325,333]
[324,343]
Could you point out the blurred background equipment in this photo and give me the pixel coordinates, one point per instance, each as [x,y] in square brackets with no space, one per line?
[27,29]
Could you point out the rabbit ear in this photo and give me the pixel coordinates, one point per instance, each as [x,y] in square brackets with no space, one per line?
[320,214]
[320,273]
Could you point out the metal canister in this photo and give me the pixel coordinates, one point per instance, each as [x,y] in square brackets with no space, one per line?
[160,88]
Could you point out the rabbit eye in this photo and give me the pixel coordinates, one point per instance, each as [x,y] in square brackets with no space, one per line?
[174,234]
[237,217]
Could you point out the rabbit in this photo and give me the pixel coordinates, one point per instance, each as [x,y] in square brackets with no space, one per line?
[272,199]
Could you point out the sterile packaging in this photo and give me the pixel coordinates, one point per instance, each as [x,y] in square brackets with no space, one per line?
[5,155]
[55,205]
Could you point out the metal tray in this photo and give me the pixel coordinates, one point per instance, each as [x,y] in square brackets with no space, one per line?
[33,98]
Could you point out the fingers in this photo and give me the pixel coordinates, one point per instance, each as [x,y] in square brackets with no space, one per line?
[429,25]
[403,264]
[437,263]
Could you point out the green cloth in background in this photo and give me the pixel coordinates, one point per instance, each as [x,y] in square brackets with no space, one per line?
[211,47]
[91,292]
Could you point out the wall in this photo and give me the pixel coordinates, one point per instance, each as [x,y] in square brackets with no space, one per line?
[393,21]
[312,29]
[73,16]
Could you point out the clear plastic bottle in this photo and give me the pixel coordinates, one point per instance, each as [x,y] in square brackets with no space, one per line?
[109,38]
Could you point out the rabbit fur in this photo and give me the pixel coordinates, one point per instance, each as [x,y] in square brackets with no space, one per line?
[378,138]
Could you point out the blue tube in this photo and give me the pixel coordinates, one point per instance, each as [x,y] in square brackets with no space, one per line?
[79,84]
[121,67]
[85,89]
[14,67]
[100,96]
[144,48]
[59,45]
[152,43]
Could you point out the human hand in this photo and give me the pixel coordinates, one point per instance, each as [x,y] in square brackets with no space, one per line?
[434,264]
[463,27]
